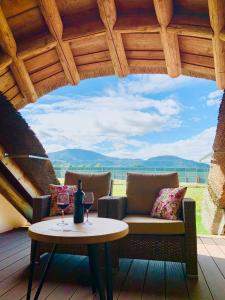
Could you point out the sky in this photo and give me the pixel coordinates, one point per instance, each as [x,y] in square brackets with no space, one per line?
[140,116]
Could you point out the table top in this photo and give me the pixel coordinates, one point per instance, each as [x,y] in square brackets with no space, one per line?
[102,230]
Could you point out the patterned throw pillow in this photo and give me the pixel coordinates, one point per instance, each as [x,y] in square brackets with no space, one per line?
[61,191]
[168,202]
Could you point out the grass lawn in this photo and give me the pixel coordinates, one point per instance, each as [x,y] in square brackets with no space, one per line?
[194,191]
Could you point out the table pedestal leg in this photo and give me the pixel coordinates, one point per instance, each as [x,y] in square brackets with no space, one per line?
[94,266]
[31,271]
[108,267]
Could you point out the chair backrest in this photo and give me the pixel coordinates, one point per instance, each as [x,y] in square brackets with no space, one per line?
[98,183]
[142,190]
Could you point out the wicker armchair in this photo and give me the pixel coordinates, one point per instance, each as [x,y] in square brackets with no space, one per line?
[100,184]
[151,238]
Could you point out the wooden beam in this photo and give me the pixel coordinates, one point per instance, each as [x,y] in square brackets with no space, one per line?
[52,17]
[217,21]
[107,10]
[164,12]
[18,68]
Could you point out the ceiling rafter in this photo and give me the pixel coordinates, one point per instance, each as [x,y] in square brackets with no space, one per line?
[107,9]
[164,12]
[17,66]
[52,17]
[217,21]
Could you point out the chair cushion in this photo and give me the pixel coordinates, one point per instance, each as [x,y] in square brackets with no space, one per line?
[142,190]
[92,214]
[99,183]
[144,224]
[168,203]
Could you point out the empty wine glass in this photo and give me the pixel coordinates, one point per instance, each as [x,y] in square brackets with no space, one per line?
[88,202]
[63,201]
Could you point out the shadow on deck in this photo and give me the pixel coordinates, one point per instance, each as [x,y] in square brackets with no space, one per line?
[137,279]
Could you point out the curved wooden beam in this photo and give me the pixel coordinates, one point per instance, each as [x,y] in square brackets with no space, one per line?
[52,17]
[18,68]
[107,9]
[216,13]
[164,12]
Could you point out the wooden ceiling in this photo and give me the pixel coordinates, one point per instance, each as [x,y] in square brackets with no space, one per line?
[45,44]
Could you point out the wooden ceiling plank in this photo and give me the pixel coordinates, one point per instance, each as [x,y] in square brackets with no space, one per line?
[5,61]
[18,68]
[107,9]
[164,12]
[52,17]
[217,21]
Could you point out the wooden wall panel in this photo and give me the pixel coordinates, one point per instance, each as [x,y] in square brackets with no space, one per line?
[41,61]
[96,70]
[51,83]
[34,18]
[132,6]
[142,41]
[18,7]
[198,60]
[194,45]
[148,54]
[68,7]
[92,58]
[91,44]
[7,81]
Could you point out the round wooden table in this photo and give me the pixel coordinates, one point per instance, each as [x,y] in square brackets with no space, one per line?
[102,231]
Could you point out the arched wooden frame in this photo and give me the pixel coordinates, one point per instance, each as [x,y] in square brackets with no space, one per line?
[45,44]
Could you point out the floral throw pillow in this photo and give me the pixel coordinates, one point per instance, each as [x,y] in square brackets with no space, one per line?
[168,202]
[61,192]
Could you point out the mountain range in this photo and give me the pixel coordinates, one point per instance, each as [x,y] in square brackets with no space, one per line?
[80,157]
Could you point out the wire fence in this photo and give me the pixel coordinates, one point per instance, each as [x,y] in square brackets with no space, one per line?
[192,175]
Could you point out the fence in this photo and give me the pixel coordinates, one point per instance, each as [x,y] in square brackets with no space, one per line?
[120,173]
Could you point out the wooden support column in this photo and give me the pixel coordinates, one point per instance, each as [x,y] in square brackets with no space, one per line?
[52,17]
[107,9]
[18,68]
[217,21]
[164,12]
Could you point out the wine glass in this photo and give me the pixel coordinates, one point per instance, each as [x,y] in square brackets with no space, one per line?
[63,201]
[88,202]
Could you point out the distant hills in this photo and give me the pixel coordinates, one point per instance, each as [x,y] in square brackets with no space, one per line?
[81,158]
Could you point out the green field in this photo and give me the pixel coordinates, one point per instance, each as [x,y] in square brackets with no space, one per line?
[194,191]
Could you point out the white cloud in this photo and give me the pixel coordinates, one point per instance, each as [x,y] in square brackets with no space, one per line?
[194,148]
[112,122]
[146,84]
[89,121]
[214,98]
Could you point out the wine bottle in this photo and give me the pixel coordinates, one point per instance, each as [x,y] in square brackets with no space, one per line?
[78,204]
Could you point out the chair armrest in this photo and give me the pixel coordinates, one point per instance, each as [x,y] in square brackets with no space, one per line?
[190,236]
[188,210]
[41,207]
[112,207]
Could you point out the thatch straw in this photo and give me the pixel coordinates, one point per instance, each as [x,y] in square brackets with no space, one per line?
[17,138]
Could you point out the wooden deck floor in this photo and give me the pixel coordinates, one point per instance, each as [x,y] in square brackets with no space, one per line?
[137,279]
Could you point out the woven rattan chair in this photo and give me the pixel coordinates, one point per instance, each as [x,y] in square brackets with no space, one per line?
[100,184]
[150,238]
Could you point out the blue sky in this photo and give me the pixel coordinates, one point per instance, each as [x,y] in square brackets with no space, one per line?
[140,116]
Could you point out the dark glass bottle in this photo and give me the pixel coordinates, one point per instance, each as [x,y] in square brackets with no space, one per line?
[78,204]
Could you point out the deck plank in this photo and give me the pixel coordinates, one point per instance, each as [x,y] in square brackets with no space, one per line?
[133,286]
[213,276]
[176,287]
[69,276]
[154,287]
